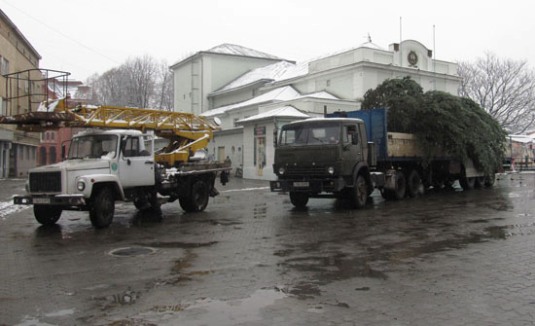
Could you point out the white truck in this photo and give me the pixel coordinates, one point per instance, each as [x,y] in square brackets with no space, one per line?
[105,164]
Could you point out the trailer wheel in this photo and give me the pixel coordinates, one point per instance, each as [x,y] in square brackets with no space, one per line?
[399,192]
[102,208]
[299,199]
[46,214]
[415,186]
[360,192]
[197,199]
[489,180]
[479,182]
[467,183]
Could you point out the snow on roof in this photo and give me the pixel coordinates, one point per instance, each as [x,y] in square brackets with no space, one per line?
[286,111]
[521,138]
[285,70]
[371,45]
[271,72]
[234,49]
[278,94]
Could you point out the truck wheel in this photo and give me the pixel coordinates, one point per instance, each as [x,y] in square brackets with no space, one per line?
[399,192]
[299,199]
[479,182]
[46,214]
[489,180]
[415,186]
[102,208]
[467,183]
[148,199]
[360,192]
[197,199]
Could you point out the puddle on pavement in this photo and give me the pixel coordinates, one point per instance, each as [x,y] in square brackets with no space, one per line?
[127,297]
[60,313]
[218,312]
[335,267]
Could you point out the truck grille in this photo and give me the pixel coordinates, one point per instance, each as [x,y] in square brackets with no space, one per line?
[45,182]
[308,171]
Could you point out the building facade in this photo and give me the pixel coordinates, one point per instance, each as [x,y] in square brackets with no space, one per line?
[206,71]
[249,105]
[18,149]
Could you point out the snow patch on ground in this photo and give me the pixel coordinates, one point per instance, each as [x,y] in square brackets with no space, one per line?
[7,208]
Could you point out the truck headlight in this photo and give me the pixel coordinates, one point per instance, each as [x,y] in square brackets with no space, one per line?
[330,170]
[281,170]
[80,185]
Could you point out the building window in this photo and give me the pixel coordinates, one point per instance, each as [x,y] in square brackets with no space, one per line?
[3,106]
[52,154]
[4,66]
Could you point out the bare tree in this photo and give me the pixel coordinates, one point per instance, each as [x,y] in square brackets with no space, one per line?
[140,82]
[504,88]
[109,87]
[164,88]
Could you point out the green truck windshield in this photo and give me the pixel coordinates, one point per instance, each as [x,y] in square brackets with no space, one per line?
[310,134]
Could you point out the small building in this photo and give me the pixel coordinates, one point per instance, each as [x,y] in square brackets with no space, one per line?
[198,75]
[520,152]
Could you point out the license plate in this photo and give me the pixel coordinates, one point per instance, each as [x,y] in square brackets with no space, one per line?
[41,200]
[301,184]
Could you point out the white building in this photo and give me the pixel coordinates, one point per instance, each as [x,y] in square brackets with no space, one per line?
[253,104]
[206,71]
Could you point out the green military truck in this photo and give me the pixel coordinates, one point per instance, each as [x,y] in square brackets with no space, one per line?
[348,157]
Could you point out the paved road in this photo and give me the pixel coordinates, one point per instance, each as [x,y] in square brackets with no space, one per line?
[450,258]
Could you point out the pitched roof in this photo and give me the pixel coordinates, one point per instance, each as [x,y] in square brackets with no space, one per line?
[286,111]
[269,73]
[233,49]
[229,49]
[285,93]
[279,94]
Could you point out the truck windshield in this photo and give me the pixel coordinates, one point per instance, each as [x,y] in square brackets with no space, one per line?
[93,146]
[310,134]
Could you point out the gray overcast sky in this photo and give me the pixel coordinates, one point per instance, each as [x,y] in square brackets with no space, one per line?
[93,36]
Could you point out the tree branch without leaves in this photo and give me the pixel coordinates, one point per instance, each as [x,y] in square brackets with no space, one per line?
[503,87]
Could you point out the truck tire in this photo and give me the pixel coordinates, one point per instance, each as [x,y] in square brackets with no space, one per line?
[415,186]
[197,200]
[489,180]
[399,192]
[46,214]
[467,183]
[360,192]
[148,199]
[479,182]
[299,199]
[102,208]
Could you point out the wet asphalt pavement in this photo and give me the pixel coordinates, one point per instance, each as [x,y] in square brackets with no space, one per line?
[448,258]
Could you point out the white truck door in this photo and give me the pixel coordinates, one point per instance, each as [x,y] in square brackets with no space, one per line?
[136,165]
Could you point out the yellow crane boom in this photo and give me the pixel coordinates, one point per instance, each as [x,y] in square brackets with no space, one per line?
[186,132]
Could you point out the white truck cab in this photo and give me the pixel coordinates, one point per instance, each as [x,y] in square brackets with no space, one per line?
[101,166]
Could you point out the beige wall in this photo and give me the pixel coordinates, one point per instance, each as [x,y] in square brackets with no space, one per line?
[21,56]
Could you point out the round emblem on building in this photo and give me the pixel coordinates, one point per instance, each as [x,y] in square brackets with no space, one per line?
[413,58]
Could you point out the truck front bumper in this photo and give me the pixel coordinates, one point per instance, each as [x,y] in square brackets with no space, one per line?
[66,200]
[310,185]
